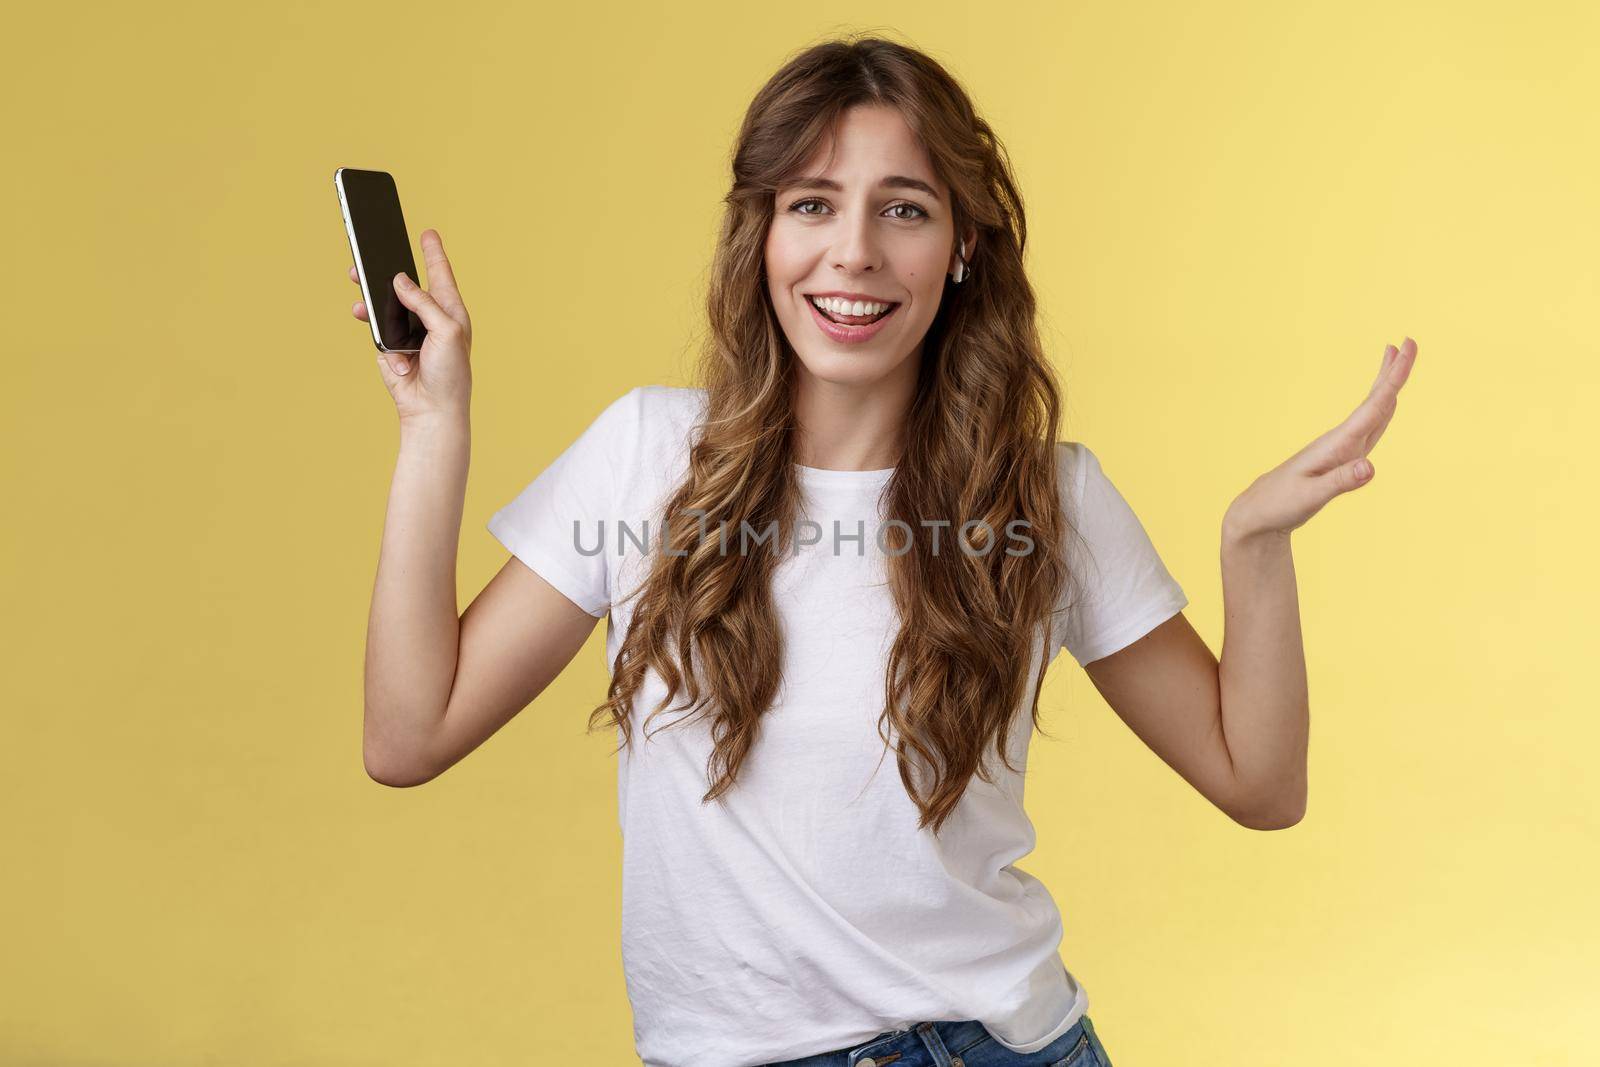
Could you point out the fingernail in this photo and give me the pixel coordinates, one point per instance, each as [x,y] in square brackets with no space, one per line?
[403,280]
[400,367]
[1363,469]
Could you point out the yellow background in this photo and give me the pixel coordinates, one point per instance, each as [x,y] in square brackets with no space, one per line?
[1233,208]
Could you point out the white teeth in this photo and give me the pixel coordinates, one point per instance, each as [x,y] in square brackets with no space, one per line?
[846,307]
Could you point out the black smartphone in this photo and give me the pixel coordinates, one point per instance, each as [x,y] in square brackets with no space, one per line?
[370,204]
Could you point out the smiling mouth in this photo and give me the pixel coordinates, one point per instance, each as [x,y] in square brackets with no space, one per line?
[850,320]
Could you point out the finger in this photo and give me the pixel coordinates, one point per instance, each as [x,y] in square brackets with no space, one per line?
[1377,407]
[1375,434]
[1396,367]
[1380,405]
[1322,456]
[391,367]
[359,310]
[441,279]
[1385,378]
[419,300]
[1363,427]
[1348,476]
[1358,428]
[1404,360]
[1339,480]
[1370,442]
[1383,368]
[354,276]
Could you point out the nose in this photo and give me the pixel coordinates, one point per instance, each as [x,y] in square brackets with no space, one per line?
[857,249]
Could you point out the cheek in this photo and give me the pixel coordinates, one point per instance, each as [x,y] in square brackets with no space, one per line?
[781,265]
[930,261]
[926,278]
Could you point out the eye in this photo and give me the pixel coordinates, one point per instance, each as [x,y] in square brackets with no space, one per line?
[919,212]
[798,204]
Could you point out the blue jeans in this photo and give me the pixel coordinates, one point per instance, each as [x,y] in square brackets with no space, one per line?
[961,1044]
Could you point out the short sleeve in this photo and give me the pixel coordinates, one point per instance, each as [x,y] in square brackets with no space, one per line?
[558,525]
[1123,589]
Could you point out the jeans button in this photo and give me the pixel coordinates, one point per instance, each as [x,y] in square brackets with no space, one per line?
[868,1062]
[955,1061]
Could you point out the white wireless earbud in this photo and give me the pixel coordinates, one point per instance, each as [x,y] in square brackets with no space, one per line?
[961,265]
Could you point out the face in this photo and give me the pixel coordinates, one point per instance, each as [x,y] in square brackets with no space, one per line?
[866,216]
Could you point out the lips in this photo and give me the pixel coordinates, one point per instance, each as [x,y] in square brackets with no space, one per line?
[847,334]
[854,320]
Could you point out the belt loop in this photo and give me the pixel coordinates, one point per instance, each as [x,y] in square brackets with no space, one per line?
[935,1046]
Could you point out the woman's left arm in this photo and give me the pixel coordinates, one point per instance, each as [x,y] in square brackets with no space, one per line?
[1262,677]
[1237,730]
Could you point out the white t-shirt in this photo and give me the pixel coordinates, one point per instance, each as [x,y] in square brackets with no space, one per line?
[804,911]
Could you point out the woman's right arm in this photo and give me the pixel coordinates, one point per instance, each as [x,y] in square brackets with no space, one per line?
[437,686]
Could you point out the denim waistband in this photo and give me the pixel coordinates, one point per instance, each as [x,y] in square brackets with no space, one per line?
[941,1040]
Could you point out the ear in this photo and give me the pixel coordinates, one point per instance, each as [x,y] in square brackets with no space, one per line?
[971,239]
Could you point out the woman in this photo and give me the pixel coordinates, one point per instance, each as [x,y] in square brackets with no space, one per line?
[861,535]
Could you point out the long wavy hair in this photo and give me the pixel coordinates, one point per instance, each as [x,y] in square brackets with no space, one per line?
[979,444]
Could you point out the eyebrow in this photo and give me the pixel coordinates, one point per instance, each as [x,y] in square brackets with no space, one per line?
[893,181]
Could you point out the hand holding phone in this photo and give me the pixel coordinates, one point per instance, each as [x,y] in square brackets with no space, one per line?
[438,378]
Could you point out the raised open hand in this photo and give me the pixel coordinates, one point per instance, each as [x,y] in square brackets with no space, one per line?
[1288,495]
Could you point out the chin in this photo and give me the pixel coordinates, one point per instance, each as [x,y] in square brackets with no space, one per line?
[847,368]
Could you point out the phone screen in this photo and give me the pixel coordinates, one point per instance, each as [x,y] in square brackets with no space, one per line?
[382,249]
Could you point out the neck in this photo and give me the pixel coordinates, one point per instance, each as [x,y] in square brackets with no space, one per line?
[853,426]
